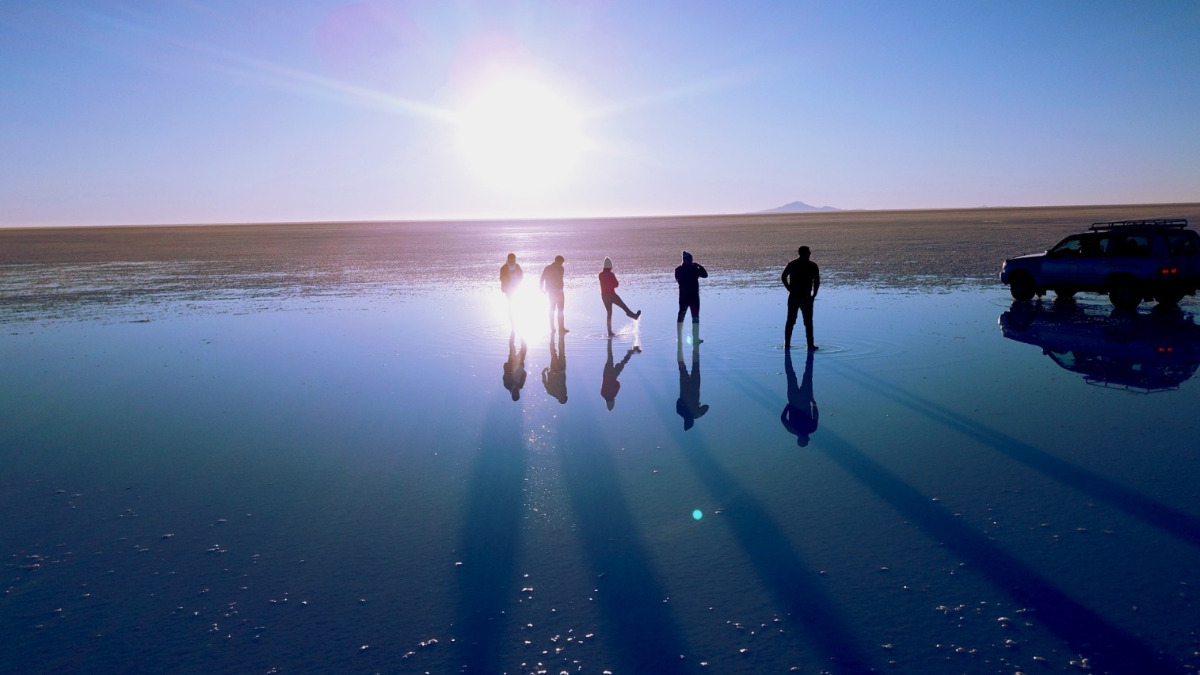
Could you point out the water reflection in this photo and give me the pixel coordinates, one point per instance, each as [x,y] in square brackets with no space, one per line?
[609,386]
[514,367]
[800,414]
[1121,349]
[688,405]
[554,376]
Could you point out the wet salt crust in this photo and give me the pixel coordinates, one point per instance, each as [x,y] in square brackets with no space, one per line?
[349,487]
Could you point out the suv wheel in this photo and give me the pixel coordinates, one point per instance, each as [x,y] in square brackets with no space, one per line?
[1123,293]
[1021,286]
[1170,296]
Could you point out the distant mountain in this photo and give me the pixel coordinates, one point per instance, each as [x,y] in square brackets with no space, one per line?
[799,207]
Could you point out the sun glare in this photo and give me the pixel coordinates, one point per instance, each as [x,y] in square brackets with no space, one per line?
[529,310]
[518,135]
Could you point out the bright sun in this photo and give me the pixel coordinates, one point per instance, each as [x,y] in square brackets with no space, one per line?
[520,136]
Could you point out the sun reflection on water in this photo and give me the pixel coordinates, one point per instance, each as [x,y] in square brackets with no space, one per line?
[524,313]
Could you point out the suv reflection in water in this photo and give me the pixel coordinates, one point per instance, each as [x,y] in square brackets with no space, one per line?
[1122,349]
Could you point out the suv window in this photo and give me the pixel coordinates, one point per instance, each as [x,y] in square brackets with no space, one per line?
[1183,243]
[1127,246]
[1071,246]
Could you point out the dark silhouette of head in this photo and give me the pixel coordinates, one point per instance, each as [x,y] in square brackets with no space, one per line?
[559,259]
[804,252]
[512,258]
[687,257]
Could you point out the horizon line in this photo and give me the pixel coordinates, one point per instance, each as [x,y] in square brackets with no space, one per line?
[826,211]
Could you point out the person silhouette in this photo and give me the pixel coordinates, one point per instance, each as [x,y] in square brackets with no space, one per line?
[608,294]
[514,368]
[554,376]
[552,285]
[688,404]
[609,386]
[510,280]
[688,275]
[800,414]
[802,278]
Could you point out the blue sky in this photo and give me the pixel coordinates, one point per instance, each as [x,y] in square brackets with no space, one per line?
[189,112]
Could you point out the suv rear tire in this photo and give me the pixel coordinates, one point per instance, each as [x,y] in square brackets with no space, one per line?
[1169,297]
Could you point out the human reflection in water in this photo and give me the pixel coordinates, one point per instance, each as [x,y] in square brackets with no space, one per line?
[688,406]
[514,367]
[800,414]
[609,386]
[554,376]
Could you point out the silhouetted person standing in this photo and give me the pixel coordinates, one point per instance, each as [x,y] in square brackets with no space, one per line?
[688,404]
[552,285]
[514,368]
[609,386]
[510,279]
[802,279]
[608,294]
[688,275]
[800,414]
[554,376]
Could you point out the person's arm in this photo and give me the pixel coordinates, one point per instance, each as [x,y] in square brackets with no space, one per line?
[784,278]
[702,273]
[816,281]
[542,281]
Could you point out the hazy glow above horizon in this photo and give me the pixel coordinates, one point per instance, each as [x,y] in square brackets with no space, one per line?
[119,113]
[518,135]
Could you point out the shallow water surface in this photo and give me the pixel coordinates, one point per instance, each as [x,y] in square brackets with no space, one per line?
[400,484]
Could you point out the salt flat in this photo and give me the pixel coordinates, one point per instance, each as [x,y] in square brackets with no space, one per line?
[293,447]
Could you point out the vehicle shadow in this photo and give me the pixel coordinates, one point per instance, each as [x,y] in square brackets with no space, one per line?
[1166,518]
[1107,647]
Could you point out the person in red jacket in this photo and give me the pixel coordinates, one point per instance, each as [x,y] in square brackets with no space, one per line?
[608,293]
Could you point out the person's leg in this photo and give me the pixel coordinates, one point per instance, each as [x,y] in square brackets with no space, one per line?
[695,307]
[793,308]
[560,299]
[806,308]
[616,300]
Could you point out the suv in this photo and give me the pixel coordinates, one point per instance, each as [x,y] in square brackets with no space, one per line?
[1130,260]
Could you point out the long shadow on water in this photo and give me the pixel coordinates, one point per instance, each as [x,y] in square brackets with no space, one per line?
[490,537]
[794,585]
[1158,515]
[646,638]
[1109,648]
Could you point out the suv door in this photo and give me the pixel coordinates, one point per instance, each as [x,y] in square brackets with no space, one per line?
[1060,267]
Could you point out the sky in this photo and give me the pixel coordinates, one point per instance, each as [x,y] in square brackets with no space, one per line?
[169,112]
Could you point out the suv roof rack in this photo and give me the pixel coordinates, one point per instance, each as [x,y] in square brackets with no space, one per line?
[1163,223]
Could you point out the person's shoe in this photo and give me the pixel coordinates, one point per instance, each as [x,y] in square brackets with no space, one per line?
[564,330]
[813,348]
[637,315]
